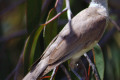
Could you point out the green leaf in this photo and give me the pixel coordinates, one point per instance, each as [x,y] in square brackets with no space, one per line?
[33,14]
[34,45]
[114,62]
[99,61]
[51,28]
[31,46]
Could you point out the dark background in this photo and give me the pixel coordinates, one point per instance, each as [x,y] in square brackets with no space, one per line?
[14,32]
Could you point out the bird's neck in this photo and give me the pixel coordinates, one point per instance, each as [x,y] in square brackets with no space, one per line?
[103,4]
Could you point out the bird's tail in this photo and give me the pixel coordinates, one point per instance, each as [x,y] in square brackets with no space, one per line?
[38,69]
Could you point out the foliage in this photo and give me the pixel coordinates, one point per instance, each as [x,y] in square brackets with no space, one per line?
[38,35]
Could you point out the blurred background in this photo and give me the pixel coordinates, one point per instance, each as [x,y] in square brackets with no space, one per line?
[14,30]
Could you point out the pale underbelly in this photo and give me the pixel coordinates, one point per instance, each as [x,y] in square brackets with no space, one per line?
[81,52]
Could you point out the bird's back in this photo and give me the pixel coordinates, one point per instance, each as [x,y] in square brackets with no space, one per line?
[86,27]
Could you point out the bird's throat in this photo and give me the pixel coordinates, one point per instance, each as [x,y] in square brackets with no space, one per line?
[101,4]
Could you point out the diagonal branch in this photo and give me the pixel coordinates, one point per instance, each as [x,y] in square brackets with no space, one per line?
[55,17]
[93,67]
[114,23]
[65,71]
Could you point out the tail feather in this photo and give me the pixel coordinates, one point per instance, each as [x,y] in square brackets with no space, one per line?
[50,67]
[40,69]
[37,70]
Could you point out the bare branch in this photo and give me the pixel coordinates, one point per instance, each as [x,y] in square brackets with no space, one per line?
[69,13]
[18,66]
[56,16]
[107,37]
[66,72]
[53,73]
[45,6]
[16,71]
[93,67]
[115,24]
[78,76]
[10,75]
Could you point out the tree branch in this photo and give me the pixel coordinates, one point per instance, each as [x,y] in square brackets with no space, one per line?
[93,67]
[66,72]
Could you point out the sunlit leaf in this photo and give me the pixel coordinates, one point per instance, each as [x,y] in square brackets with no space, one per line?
[99,61]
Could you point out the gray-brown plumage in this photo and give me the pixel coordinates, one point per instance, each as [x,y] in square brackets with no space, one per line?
[86,29]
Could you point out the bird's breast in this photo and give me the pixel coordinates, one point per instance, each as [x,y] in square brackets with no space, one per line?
[80,52]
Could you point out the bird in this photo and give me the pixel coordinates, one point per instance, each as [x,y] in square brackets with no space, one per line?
[86,29]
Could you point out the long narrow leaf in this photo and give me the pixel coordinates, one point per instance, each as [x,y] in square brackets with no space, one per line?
[33,14]
[51,28]
[99,61]
[31,45]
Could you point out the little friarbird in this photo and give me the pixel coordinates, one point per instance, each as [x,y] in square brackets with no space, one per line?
[86,29]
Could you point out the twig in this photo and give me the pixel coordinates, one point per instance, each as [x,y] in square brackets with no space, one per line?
[65,71]
[53,73]
[56,16]
[45,6]
[16,70]
[78,76]
[18,66]
[107,37]
[59,6]
[69,13]
[115,24]
[10,75]
[110,33]
[93,67]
